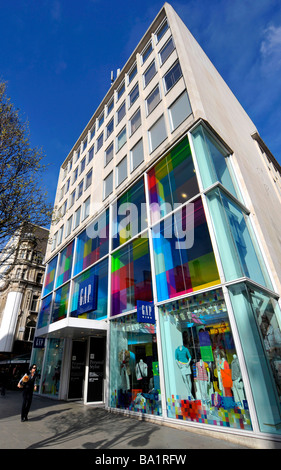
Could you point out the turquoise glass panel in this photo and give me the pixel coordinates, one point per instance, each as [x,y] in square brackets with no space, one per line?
[50,276]
[60,303]
[45,312]
[92,243]
[65,264]
[100,274]
[50,377]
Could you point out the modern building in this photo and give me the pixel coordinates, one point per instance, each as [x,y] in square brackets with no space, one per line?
[162,285]
[21,277]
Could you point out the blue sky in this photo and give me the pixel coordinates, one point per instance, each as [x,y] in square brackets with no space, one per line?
[57,56]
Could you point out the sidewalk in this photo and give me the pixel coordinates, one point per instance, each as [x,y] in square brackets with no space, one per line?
[71,425]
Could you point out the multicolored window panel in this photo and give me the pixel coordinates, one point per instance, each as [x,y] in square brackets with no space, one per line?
[172,181]
[92,243]
[61,303]
[130,276]
[45,312]
[129,215]
[65,264]
[50,276]
[99,273]
[184,267]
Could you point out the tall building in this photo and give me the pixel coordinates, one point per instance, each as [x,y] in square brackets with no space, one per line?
[162,285]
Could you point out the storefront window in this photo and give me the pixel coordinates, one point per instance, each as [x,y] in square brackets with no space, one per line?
[50,276]
[60,303]
[202,372]
[183,253]
[89,298]
[50,381]
[129,215]
[65,264]
[237,244]
[172,181]
[134,369]
[37,358]
[92,243]
[258,321]
[45,312]
[130,276]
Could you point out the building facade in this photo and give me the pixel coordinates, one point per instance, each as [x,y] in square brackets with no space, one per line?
[162,284]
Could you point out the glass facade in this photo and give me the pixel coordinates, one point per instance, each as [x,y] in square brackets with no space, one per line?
[50,377]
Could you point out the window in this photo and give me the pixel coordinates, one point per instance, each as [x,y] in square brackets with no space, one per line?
[133,96]
[85,142]
[86,208]
[110,106]
[99,142]
[108,185]
[146,53]
[68,226]
[88,179]
[135,121]
[179,110]
[82,165]
[108,154]
[93,131]
[72,198]
[120,91]
[61,193]
[63,209]
[77,217]
[157,134]
[121,112]
[80,189]
[91,154]
[167,50]
[109,128]
[77,153]
[121,173]
[121,139]
[60,235]
[152,100]
[34,303]
[54,241]
[75,174]
[29,331]
[101,119]
[67,185]
[149,74]
[172,76]
[137,155]
[69,166]
[132,73]
[162,30]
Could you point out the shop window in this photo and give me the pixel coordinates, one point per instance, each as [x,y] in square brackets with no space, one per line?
[129,215]
[45,312]
[183,253]
[130,276]
[236,241]
[50,276]
[201,368]
[65,264]
[172,181]
[50,379]
[257,316]
[94,281]
[134,372]
[60,303]
[92,243]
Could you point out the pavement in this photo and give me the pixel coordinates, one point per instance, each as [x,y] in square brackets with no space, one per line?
[56,424]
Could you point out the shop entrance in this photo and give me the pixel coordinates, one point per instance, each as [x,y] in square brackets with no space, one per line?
[77,370]
[95,389]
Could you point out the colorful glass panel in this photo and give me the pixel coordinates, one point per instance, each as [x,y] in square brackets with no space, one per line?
[65,264]
[130,276]
[50,276]
[100,273]
[45,311]
[92,243]
[180,269]
[61,303]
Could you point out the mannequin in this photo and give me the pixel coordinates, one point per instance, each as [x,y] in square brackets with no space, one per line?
[224,375]
[125,371]
[141,374]
[237,386]
[203,380]
[183,359]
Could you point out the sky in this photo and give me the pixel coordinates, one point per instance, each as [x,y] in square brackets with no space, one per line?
[57,56]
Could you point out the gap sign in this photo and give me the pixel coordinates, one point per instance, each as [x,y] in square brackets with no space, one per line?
[87,296]
[145,312]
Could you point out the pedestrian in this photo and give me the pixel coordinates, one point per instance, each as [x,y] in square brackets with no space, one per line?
[27,382]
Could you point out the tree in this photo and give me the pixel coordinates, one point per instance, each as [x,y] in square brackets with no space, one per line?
[22,197]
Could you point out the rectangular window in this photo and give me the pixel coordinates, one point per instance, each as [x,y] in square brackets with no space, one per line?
[54,243]
[146,53]
[72,198]
[77,154]
[121,171]
[120,91]
[157,134]
[132,73]
[152,100]
[77,217]
[86,208]
[179,110]
[172,76]
[121,139]
[67,185]
[100,120]
[60,235]
[108,154]
[93,131]
[75,174]
[88,179]
[85,142]
[109,128]
[166,50]
[110,106]
[162,30]
[69,166]
[135,121]
[149,74]
[91,154]
[80,189]
[137,156]
[108,185]
[121,112]
[68,226]
[99,142]
[82,165]
[133,96]
[61,193]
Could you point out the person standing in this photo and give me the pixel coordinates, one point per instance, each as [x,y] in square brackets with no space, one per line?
[27,382]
